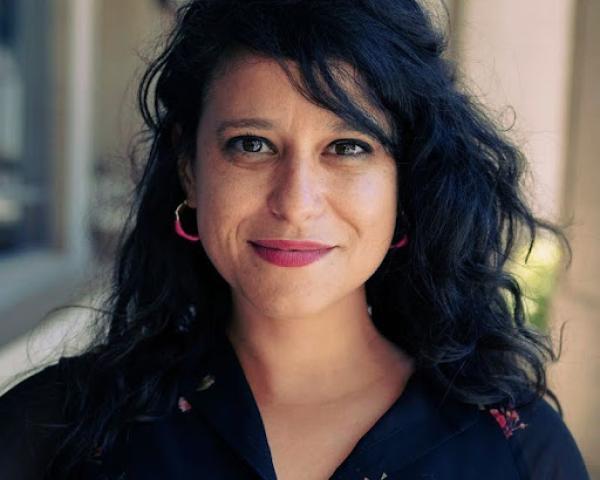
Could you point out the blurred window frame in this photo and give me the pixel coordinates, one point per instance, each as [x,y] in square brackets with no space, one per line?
[50,273]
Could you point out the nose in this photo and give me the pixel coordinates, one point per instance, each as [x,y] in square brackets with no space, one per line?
[298,187]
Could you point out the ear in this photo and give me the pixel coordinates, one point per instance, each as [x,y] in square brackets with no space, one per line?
[185,170]
[187,177]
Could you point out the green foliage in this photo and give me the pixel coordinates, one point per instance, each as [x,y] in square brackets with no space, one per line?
[537,278]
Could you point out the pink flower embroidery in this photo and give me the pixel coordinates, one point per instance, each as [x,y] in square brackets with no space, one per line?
[508,419]
[183,404]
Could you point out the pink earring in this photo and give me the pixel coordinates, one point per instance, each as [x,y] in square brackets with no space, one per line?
[178,228]
[403,241]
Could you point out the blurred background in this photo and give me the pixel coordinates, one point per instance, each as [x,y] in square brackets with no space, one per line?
[68,72]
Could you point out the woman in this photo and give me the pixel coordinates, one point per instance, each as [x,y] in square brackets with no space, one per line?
[312,285]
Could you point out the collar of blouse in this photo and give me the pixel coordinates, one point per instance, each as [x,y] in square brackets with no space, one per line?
[416,421]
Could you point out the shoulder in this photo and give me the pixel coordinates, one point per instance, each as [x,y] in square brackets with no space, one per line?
[35,399]
[31,421]
[540,442]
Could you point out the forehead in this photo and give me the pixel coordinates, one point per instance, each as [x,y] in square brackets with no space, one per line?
[247,83]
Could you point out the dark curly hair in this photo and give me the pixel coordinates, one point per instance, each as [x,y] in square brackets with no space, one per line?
[447,299]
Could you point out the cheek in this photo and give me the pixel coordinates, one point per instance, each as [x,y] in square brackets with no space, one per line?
[373,200]
[220,195]
[224,203]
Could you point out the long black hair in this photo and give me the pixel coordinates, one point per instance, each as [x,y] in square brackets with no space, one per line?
[446,299]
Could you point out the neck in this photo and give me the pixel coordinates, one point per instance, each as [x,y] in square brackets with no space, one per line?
[316,358]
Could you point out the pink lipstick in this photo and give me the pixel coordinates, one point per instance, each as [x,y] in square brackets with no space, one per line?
[289,253]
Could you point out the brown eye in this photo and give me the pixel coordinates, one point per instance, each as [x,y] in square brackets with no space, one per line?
[351,148]
[251,144]
[248,144]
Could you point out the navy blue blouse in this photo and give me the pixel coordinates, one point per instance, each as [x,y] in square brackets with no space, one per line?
[215,432]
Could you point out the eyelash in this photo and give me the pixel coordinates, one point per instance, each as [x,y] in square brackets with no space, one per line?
[231,145]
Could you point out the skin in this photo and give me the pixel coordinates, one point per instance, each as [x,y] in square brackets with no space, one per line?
[303,335]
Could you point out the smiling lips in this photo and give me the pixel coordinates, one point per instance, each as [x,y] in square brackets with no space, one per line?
[290,253]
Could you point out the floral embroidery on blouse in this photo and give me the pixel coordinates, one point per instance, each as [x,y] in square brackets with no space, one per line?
[183,404]
[508,419]
[383,477]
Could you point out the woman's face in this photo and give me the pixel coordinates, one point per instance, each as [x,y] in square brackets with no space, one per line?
[271,165]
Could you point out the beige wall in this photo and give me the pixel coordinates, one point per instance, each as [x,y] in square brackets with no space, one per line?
[578,297]
[517,55]
[127,33]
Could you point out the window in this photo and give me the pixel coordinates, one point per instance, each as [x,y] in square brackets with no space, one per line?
[46,57]
[25,163]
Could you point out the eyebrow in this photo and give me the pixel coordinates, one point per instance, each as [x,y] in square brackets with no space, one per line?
[243,123]
[337,126]
[341,125]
